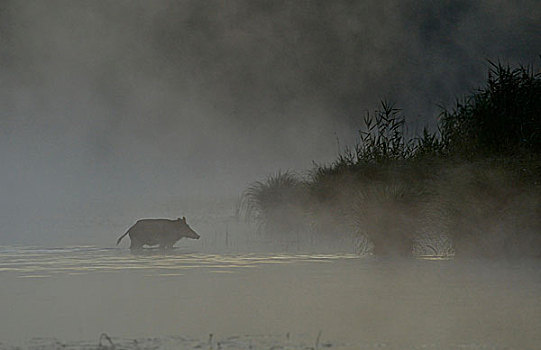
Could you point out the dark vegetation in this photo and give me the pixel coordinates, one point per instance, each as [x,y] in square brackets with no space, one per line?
[473,187]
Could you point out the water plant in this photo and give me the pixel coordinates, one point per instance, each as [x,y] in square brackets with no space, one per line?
[471,180]
[276,203]
[501,118]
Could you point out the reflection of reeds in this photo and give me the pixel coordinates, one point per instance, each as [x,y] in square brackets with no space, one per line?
[435,244]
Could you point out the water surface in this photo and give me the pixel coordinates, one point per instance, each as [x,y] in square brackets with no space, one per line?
[71,295]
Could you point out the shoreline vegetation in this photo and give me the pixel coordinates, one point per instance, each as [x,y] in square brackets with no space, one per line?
[471,188]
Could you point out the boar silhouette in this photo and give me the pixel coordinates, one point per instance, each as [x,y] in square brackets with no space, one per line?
[162,232]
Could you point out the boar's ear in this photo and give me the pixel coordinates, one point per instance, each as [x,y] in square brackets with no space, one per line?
[184,218]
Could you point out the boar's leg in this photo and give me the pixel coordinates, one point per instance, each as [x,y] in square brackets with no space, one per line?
[166,245]
[135,244]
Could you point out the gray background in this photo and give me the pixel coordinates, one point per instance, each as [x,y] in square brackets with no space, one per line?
[126,104]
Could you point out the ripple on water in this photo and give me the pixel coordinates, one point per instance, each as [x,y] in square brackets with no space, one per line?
[37,262]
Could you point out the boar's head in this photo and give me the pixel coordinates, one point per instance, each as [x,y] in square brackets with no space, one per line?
[186,230]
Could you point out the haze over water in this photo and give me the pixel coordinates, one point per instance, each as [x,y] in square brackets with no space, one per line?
[115,111]
[75,294]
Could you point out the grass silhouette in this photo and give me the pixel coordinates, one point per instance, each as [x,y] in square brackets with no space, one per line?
[475,182]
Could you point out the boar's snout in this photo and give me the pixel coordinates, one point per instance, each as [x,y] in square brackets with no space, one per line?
[191,233]
[188,232]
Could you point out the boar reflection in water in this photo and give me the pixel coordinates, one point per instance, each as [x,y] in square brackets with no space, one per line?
[162,232]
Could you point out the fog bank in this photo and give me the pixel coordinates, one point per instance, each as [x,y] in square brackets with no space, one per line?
[130,103]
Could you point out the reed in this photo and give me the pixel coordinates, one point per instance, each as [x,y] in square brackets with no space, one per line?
[475,181]
[276,203]
[501,118]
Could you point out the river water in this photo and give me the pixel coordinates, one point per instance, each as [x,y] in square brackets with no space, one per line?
[67,297]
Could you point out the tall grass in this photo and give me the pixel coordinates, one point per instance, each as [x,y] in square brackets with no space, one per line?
[276,203]
[384,139]
[474,180]
[501,118]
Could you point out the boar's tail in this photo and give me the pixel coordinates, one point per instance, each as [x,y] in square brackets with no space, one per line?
[118,241]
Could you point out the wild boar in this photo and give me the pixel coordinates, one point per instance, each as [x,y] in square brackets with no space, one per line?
[162,232]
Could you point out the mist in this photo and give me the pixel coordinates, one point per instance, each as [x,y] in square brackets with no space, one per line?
[135,102]
[214,111]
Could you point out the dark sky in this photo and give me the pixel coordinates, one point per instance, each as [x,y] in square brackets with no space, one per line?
[126,99]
